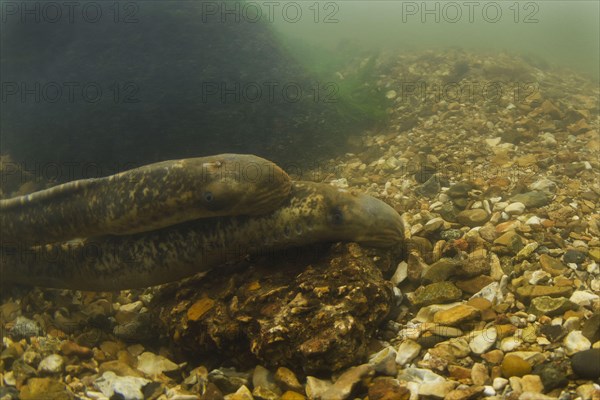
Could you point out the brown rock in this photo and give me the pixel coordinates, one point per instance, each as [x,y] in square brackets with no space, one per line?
[416,266]
[316,309]
[514,366]
[69,348]
[479,374]
[472,218]
[511,241]
[469,393]
[459,373]
[119,368]
[46,389]
[528,292]
[493,356]
[579,127]
[475,284]
[549,109]
[479,303]
[199,308]
[532,383]
[456,315]
[552,265]
[291,395]
[385,388]
[287,380]
[436,293]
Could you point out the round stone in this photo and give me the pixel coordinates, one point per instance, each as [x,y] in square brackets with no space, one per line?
[52,364]
[514,366]
[515,208]
[473,218]
[586,364]
[576,342]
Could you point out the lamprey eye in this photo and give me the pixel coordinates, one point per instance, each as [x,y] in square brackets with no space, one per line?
[208,196]
[337,216]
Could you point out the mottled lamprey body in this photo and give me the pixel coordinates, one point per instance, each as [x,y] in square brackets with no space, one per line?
[300,213]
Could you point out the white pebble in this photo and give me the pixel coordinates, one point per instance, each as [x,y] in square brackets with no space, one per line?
[483,340]
[515,208]
[510,343]
[575,342]
[499,383]
[488,391]
[52,364]
[537,221]
[538,276]
[407,351]
[400,274]
[132,307]
[583,298]
[9,379]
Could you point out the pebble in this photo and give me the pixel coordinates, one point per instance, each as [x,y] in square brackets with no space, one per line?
[153,365]
[552,265]
[591,327]
[243,393]
[513,365]
[132,307]
[315,388]
[440,292]
[345,383]
[456,315]
[384,361]
[228,380]
[479,374]
[483,340]
[575,342]
[545,305]
[436,390]
[574,256]
[385,388]
[534,221]
[510,343]
[583,298]
[288,380]
[532,383]
[400,274]
[46,389]
[543,185]
[128,387]
[472,218]
[499,383]
[533,199]
[553,375]
[407,351]
[69,348]
[586,363]
[52,364]
[24,328]
[515,208]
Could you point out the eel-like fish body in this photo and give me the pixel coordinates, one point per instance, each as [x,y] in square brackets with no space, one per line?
[312,212]
[143,199]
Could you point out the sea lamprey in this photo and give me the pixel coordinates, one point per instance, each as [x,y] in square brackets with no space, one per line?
[310,213]
[147,198]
